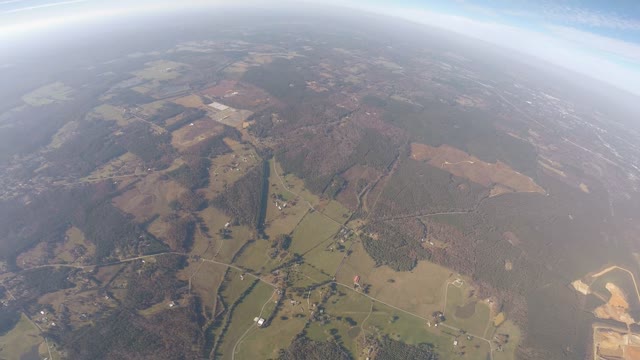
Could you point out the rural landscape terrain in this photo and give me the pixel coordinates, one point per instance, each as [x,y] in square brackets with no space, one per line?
[313,194]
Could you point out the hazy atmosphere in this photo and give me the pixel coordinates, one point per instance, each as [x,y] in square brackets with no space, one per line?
[305,180]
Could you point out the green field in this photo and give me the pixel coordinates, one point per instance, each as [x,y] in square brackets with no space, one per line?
[23,341]
[255,257]
[233,286]
[306,275]
[227,248]
[264,343]
[336,211]
[420,291]
[508,350]
[160,70]
[312,231]
[327,257]
[346,304]
[255,304]
[467,313]
[295,185]
[48,94]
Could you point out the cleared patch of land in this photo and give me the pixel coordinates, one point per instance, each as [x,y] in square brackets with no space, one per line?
[189,135]
[284,209]
[150,196]
[312,231]
[110,112]
[75,248]
[616,308]
[125,165]
[22,342]
[467,313]
[459,163]
[264,343]
[243,315]
[193,101]
[419,291]
[160,70]
[48,94]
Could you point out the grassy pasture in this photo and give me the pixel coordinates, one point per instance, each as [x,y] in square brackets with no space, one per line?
[37,255]
[419,291]
[306,275]
[467,313]
[205,280]
[256,257]
[48,94]
[190,135]
[336,211]
[326,257]
[150,196]
[346,304]
[312,231]
[233,286]
[22,342]
[110,112]
[282,221]
[294,185]
[160,70]
[413,330]
[221,172]
[264,343]
[508,350]
[243,315]
[229,247]
[75,237]
[125,164]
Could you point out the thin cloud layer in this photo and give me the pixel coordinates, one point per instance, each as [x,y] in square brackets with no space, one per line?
[562,35]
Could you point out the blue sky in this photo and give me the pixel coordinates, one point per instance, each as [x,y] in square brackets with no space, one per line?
[600,39]
[597,38]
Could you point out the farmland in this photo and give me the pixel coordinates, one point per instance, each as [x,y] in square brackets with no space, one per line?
[365,197]
[24,341]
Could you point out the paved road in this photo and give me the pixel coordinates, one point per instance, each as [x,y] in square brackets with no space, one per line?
[105,264]
[240,269]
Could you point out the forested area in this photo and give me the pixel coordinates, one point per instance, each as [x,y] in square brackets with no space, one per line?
[397,244]
[125,334]
[49,215]
[303,348]
[190,115]
[110,230]
[192,175]
[154,149]
[44,219]
[166,112]
[154,282]
[320,160]
[91,146]
[180,232]
[246,199]
[419,188]
[436,123]
[390,349]
[129,97]
[8,319]
[45,280]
